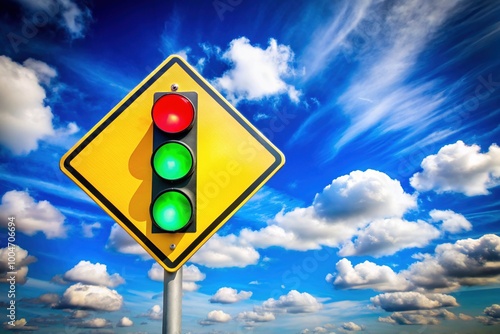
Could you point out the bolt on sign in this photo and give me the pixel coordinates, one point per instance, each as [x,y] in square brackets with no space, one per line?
[172,162]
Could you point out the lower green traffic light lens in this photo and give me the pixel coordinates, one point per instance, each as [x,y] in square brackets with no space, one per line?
[173,161]
[172,211]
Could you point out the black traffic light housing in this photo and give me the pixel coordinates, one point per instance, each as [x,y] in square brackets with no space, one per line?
[183,141]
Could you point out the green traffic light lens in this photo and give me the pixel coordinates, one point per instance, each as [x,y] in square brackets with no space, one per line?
[173,161]
[172,211]
[173,113]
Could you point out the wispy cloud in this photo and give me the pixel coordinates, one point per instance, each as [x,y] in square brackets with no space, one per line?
[484,35]
[67,14]
[171,43]
[47,187]
[329,38]
[385,93]
[409,27]
[103,75]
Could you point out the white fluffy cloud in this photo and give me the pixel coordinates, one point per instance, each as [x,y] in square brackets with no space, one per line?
[95,323]
[216,316]
[363,195]
[156,273]
[125,322]
[492,315]
[421,317]
[411,300]
[79,314]
[31,216]
[227,295]
[96,274]
[493,311]
[122,242]
[67,14]
[290,232]
[21,266]
[327,328]
[88,229]
[154,313]
[388,236]
[465,317]
[225,251]
[351,327]
[190,275]
[91,297]
[350,202]
[257,73]
[451,221]
[20,325]
[293,302]
[25,119]
[466,262]
[367,275]
[50,299]
[459,168]
[251,317]
[42,71]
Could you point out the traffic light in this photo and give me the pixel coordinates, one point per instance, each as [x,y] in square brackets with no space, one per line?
[173,200]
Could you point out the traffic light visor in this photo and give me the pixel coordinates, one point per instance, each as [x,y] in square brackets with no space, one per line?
[173,113]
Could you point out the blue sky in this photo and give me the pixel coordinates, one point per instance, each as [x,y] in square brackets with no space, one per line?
[384,218]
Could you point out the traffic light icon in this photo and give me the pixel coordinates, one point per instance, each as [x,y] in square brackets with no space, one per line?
[173,200]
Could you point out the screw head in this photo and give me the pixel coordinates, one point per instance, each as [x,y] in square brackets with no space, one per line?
[172,246]
[174,87]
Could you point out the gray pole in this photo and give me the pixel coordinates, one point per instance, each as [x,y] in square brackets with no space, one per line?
[172,302]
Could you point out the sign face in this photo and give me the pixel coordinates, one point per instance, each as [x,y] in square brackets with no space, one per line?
[112,162]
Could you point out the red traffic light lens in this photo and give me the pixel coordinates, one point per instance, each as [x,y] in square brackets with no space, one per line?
[173,113]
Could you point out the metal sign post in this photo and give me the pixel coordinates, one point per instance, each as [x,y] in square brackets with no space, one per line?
[172,302]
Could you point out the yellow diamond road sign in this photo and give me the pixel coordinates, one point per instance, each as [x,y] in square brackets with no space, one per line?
[111,163]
